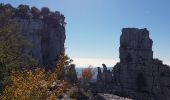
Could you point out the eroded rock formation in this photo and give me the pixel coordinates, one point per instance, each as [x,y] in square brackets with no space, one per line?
[45,30]
[101,96]
[138,75]
[104,78]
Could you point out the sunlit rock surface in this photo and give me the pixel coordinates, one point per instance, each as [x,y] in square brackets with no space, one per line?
[44,29]
[138,75]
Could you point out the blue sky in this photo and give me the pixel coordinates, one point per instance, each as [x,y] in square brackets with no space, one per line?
[94,26]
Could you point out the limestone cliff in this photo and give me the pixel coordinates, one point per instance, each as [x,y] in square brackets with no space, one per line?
[138,75]
[44,29]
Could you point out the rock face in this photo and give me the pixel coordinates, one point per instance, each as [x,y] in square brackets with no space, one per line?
[135,46]
[45,30]
[101,96]
[138,75]
[104,78]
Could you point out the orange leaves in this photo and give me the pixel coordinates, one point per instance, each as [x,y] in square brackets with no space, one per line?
[87,73]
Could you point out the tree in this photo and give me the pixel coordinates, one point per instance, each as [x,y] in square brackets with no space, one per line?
[35,12]
[36,84]
[87,74]
[13,46]
[63,65]
[22,11]
[71,74]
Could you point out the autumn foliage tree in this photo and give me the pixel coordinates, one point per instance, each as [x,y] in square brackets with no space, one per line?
[63,64]
[87,74]
[35,85]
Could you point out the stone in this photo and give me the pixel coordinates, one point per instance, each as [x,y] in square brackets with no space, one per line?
[104,80]
[138,75]
[99,75]
[101,96]
[71,75]
[45,11]
[46,38]
[135,46]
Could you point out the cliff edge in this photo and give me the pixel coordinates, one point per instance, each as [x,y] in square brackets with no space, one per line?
[138,75]
[44,29]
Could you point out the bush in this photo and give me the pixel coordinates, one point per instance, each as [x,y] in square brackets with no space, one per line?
[13,46]
[78,93]
[35,12]
[35,85]
[22,11]
[86,75]
[45,11]
[71,74]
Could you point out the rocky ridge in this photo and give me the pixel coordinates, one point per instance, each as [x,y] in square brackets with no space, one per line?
[44,29]
[138,75]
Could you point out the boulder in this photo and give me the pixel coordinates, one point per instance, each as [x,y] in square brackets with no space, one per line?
[45,11]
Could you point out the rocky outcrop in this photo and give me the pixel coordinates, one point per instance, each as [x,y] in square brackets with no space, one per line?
[104,78]
[138,75]
[135,46]
[71,75]
[45,30]
[101,96]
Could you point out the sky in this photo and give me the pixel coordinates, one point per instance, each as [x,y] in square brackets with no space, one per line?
[94,26]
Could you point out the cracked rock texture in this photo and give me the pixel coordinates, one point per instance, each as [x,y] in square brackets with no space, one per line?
[45,30]
[101,96]
[138,75]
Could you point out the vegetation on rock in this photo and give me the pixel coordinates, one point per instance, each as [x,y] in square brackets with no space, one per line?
[12,47]
[78,93]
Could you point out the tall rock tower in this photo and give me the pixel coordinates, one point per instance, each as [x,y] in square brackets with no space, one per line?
[135,46]
[44,29]
[138,75]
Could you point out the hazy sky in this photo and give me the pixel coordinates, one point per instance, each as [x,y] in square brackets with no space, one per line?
[94,26]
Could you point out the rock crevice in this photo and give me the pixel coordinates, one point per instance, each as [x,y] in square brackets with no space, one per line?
[138,75]
[44,29]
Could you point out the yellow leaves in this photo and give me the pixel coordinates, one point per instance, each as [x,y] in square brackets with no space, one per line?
[35,85]
[29,74]
[60,66]
[30,85]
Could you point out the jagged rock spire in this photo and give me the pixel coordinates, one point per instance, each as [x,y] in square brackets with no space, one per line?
[135,46]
